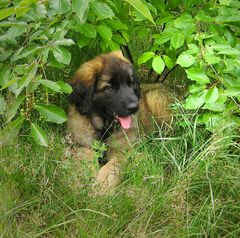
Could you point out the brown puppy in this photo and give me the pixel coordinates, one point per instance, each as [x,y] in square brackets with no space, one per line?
[106,105]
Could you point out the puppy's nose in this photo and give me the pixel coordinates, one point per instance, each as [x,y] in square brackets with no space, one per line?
[133,106]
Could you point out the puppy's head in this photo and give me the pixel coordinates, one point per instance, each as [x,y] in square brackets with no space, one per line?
[107,85]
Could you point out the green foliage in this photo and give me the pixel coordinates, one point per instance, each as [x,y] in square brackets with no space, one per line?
[203,39]
[38,37]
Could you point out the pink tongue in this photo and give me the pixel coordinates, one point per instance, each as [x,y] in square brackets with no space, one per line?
[125,122]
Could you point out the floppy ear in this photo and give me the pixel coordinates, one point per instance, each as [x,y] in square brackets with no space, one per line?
[83,84]
[136,86]
[81,97]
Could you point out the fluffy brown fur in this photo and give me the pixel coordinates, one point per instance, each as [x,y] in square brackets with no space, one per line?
[85,126]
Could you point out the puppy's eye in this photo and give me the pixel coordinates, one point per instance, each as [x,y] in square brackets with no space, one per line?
[108,89]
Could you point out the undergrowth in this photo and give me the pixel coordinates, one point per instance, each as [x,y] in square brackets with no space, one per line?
[180,182]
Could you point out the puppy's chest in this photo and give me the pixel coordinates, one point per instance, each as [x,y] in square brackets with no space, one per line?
[104,127]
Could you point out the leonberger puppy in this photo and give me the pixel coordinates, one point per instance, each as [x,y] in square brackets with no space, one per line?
[107,104]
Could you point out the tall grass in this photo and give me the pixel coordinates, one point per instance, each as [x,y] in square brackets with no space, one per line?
[179,182]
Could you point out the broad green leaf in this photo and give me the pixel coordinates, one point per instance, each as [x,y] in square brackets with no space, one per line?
[186,59]
[168,61]
[13,32]
[116,24]
[9,83]
[50,84]
[232,92]
[4,13]
[197,75]
[62,55]
[218,47]
[177,40]
[60,6]
[83,41]
[21,10]
[39,135]
[65,87]
[216,107]
[105,32]
[142,8]
[184,22]
[52,112]
[102,10]
[196,100]
[162,38]
[113,45]
[211,59]
[80,7]
[86,29]
[194,49]
[212,95]
[145,57]
[231,51]
[26,53]
[119,39]
[158,64]
[67,42]
[197,87]
[13,108]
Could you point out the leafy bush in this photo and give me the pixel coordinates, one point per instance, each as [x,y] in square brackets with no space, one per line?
[39,36]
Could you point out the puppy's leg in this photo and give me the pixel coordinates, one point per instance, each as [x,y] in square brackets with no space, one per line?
[109,176]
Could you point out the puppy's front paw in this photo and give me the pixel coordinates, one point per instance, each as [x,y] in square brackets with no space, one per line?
[109,176]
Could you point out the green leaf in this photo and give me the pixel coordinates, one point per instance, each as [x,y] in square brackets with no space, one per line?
[52,112]
[13,32]
[212,95]
[216,107]
[211,59]
[39,135]
[142,8]
[196,100]
[62,55]
[197,75]
[177,40]
[186,59]
[26,53]
[80,7]
[145,57]
[65,87]
[6,12]
[102,10]
[83,41]
[119,39]
[194,88]
[158,64]
[66,42]
[60,6]
[232,92]
[184,22]
[231,51]
[105,32]
[168,61]
[116,24]
[86,29]
[162,38]
[13,107]
[50,84]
